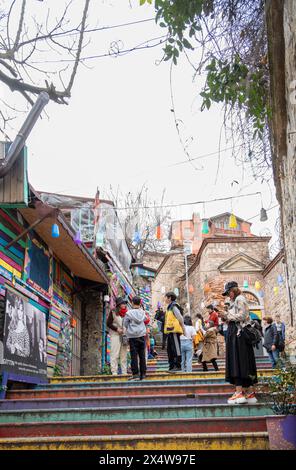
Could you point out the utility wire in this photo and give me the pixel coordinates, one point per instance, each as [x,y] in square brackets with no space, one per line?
[184,203]
[203,156]
[267,210]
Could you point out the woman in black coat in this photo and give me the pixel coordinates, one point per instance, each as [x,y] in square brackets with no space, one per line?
[241,369]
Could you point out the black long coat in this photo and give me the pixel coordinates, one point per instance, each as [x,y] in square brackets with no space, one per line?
[240,357]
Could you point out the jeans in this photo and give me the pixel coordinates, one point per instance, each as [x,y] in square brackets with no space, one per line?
[274,357]
[225,335]
[187,353]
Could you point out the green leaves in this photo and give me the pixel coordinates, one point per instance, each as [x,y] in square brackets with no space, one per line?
[145,1]
[234,77]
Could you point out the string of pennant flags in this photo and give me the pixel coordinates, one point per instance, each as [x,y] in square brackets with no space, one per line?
[258,287]
[137,238]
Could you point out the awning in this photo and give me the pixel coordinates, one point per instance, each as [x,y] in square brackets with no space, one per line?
[75,257]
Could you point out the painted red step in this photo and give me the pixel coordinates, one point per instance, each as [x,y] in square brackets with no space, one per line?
[119,391]
[153,426]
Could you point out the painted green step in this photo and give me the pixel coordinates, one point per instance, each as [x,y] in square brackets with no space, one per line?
[135,412]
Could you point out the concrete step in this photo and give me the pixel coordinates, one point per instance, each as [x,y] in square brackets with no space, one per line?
[217,441]
[134,413]
[116,402]
[151,426]
[120,390]
[152,376]
[197,367]
[125,383]
[219,361]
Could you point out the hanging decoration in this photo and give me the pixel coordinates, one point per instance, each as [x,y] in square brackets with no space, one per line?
[207,288]
[205,227]
[246,284]
[280,280]
[77,238]
[127,289]
[100,239]
[137,237]
[158,230]
[276,290]
[191,289]
[202,305]
[261,293]
[73,322]
[257,285]
[263,213]
[55,232]
[205,223]
[176,291]
[232,221]
[163,290]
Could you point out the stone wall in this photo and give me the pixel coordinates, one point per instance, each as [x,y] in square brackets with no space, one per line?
[92,315]
[288,177]
[153,259]
[207,272]
[168,278]
[278,303]
[281,24]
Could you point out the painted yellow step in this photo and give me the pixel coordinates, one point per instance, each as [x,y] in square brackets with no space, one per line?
[152,376]
[222,441]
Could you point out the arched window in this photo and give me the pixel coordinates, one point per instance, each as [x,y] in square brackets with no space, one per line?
[251,298]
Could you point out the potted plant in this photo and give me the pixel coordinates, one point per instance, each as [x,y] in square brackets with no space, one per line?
[281,397]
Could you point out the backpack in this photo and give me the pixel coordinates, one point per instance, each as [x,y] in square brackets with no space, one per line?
[251,334]
[279,342]
[180,308]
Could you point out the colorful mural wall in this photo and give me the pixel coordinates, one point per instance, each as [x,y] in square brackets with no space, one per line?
[30,269]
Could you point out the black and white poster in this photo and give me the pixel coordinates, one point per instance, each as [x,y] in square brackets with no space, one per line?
[24,338]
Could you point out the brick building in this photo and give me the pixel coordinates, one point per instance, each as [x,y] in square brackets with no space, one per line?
[224,255]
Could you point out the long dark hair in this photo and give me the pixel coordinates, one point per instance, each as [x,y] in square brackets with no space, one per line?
[187,320]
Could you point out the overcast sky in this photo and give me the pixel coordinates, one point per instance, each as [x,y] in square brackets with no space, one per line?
[119,129]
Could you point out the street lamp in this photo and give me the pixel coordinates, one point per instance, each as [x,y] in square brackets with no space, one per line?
[20,140]
[186,252]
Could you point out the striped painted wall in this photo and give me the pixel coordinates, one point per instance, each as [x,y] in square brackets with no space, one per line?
[56,303]
[11,259]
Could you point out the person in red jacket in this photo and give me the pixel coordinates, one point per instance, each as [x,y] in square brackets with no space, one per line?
[213,315]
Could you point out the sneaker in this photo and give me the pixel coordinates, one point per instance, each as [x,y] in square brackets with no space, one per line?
[237,399]
[174,370]
[143,377]
[134,378]
[251,398]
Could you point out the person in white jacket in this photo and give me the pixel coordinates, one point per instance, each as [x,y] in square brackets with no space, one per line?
[116,333]
[199,328]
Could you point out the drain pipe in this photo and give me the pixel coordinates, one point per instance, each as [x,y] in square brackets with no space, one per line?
[20,140]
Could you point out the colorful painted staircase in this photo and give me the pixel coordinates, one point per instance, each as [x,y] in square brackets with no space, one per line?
[164,412]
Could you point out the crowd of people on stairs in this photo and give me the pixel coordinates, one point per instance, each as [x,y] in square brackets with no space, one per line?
[185,339]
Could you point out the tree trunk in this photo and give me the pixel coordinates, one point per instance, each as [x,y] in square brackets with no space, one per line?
[281,31]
